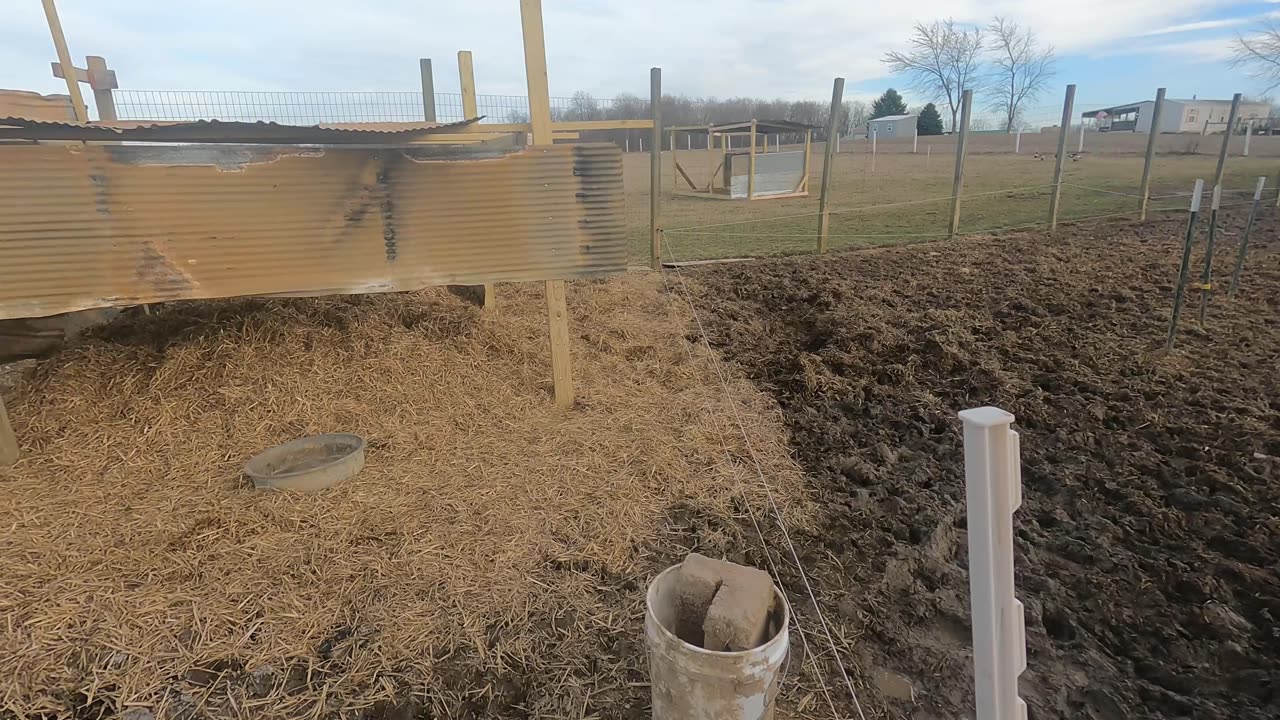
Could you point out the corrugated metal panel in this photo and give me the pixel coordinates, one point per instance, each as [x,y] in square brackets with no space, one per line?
[776,173]
[85,226]
[214,131]
[34,106]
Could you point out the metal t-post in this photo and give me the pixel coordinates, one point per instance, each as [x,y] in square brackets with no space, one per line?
[1206,276]
[1183,270]
[1056,195]
[1244,242]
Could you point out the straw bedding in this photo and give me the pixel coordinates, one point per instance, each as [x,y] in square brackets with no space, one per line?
[489,560]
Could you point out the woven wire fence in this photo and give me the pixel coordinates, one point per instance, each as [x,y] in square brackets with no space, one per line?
[309,108]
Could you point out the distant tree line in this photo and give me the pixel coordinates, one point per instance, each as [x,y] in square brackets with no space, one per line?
[683,110]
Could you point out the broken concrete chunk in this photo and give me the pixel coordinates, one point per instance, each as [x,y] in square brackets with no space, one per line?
[700,578]
[738,618]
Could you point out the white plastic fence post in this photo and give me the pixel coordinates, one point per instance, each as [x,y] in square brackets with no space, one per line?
[915,139]
[1017,142]
[1080,147]
[873,149]
[993,491]
[627,141]
[1248,130]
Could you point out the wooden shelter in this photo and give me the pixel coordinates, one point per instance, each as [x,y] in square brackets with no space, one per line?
[747,174]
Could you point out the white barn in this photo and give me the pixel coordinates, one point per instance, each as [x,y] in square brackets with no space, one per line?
[1177,116]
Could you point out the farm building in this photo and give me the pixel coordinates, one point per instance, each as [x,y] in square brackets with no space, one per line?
[891,126]
[1178,116]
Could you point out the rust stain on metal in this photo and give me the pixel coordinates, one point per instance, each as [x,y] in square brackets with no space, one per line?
[85,226]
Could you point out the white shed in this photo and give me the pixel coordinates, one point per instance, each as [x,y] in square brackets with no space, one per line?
[1177,116]
[891,126]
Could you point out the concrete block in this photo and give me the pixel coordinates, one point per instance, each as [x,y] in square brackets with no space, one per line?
[700,578]
[738,618]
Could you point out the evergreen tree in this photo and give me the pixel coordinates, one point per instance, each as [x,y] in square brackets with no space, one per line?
[929,122]
[890,103]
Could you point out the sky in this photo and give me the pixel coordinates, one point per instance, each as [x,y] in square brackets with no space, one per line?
[1115,51]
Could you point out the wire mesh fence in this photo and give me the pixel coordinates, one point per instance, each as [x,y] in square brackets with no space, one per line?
[309,108]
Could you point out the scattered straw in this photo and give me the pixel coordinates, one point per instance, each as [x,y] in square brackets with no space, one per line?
[492,554]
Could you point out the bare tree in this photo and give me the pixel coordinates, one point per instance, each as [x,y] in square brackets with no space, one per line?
[944,61]
[1259,55]
[1023,68]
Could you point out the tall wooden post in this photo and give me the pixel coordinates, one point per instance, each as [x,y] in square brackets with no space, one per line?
[467,81]
[1152,136]
[751,165]
[1056,194]
[535,68]
[711,160]
[828,162]
[428,90]
[655,169]
[64,59]
[957,180]
[1226,140]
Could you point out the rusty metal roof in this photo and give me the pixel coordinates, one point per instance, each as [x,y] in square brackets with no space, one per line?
[219,131]
[87,225]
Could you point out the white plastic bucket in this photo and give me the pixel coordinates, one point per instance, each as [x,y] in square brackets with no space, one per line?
[690,683]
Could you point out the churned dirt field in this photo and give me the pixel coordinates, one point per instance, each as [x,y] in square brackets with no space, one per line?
[1148,543]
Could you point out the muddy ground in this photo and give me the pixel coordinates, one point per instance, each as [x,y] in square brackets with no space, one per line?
[1149,536]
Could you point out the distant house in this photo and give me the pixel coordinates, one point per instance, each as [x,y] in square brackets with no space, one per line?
[1177,116]
[891,126]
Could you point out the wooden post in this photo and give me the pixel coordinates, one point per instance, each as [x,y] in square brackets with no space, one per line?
[1226,140]
[766,142]
[102,80]
[470,110]
[8,440]
[711,160]
[751,165]
[535,68]
[829,160]
[957,180]
[655,169]
[467,81]
[675,171]
[1056,194]
[64,59]
[428,90]
[1152,135]
[808,137]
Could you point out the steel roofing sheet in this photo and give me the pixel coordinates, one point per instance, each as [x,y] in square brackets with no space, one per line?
[84,226]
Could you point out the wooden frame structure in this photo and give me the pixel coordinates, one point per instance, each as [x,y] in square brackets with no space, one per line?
[540,131]
[719,182]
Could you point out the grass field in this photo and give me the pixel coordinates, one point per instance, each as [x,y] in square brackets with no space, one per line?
[1006,190]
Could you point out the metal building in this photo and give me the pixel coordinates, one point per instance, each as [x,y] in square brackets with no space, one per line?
[891,126]
[1178,116]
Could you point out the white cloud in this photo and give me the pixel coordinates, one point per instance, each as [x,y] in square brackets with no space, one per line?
[786,48]
[1194,26]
